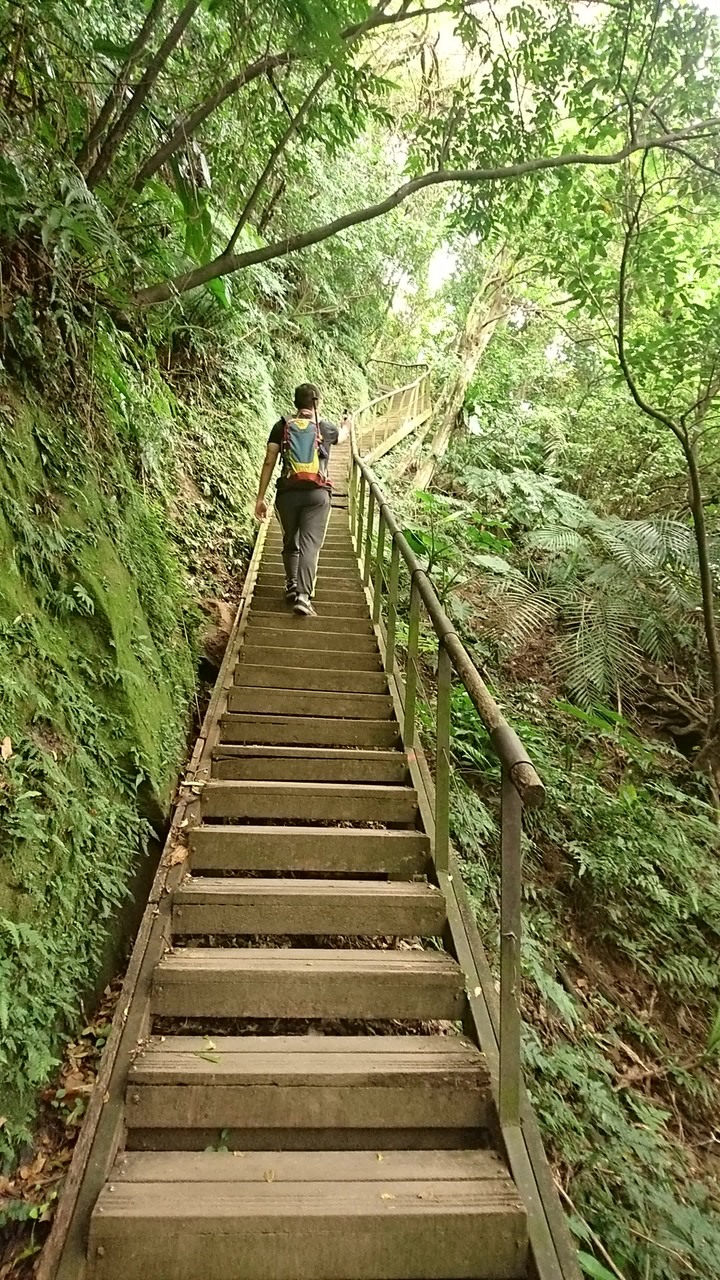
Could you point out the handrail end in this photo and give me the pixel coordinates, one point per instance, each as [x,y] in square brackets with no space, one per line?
[528,784]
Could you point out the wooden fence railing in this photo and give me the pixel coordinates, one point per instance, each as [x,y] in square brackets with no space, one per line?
[387,419]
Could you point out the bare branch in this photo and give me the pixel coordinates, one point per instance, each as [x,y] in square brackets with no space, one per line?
[697,502]
[275,154]
[658,414]
[379,18]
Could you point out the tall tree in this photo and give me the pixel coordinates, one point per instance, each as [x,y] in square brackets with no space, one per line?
[648,276]
[485,312]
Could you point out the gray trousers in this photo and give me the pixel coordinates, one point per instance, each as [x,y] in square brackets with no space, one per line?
[304,515]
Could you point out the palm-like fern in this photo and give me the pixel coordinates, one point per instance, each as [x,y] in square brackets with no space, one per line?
[616,591]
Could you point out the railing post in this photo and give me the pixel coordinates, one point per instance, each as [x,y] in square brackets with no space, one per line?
[510,937]
[442,759]
[392,608]
[411,672]
[368,539]
[379,566]
[352,494]
[360,515]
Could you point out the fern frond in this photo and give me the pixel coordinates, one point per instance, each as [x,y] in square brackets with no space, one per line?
[522,610]
[556,539]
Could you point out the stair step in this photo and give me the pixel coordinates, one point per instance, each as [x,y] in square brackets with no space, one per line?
[271,636]
[353,660]
[478,1164]
[334,680]
[309,801]
[206,905]
[335,544]
[309,1216]
[330,567]
[291,624]
[345,588]
[276,603]
[308,731]
[343,849]
[299,983]
[272,577]
[309,1083]
[344,765]
[325,594]
[280,701]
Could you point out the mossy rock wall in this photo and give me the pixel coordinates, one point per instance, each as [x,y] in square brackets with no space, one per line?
[119,513]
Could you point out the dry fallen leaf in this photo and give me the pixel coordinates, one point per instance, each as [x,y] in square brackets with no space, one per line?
[6,748]
[387,1196]
[380,1155]
[177,854]
[269,1175]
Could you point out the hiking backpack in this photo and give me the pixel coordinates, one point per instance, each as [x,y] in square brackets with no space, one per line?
[301,444]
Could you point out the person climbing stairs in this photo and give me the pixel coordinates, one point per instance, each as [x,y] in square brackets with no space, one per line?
[307,1106]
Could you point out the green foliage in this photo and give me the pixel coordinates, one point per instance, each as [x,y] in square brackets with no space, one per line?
[117,516]
[551,587]
[620,871]
[530,558]
[94,691]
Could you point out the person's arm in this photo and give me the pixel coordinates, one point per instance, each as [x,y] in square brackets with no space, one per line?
[268,466]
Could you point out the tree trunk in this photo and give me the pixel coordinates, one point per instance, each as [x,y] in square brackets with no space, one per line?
[120,85]
[142,90]
[697,509]
[709,755]
[486,311]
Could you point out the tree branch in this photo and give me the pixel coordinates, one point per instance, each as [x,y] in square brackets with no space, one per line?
[275,154]
[210,104]
[697,505]
[117,134]
[226,264]
[120,85]
[641,402]
[207,107]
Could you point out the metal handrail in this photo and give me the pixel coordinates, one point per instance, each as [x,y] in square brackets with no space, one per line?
[521,784]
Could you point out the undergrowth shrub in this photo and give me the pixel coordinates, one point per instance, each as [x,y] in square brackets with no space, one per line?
[621,895]
[620,890]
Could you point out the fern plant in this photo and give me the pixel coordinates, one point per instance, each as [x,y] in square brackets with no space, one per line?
[615,592]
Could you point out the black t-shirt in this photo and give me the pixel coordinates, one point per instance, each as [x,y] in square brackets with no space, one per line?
[328,436]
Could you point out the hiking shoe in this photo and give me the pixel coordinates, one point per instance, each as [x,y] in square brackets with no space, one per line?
[291,592]
[304,608]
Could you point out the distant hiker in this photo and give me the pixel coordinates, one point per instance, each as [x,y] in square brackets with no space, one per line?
[303,441]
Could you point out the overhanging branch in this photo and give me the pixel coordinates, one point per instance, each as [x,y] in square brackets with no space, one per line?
[227,263]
